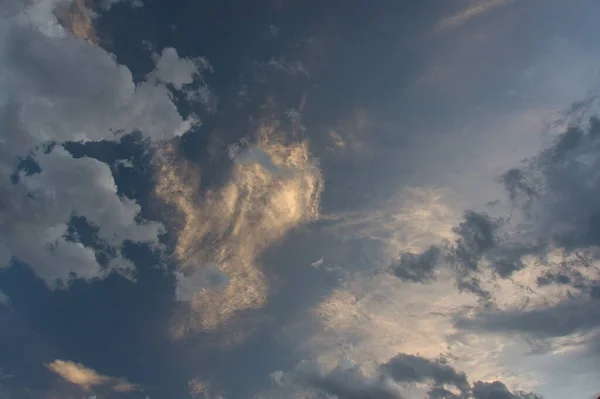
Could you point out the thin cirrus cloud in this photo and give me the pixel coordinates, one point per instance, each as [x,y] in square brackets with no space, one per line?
[477,9]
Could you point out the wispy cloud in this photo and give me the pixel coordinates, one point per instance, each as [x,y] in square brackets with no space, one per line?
[87,378]
[480,7]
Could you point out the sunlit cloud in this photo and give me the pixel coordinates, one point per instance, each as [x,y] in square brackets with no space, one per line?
[371,318]
[415,218]
[274,186]
[87,378]
[78,18]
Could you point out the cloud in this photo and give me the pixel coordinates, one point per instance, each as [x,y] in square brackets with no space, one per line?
[352,384]
[565,214]
[273,187]
[497,390]
[417,267]
[372,315]
[479,8]
[548,246]
[201,390]
[89,379]
[412,221]
[58,88]
[4,299]
[184,74]
[402,377]
[38,209]
[565,318]
[479,239]
[79,19]
[371,319]
[411,368]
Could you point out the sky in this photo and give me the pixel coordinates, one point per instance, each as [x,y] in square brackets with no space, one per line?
[285,199]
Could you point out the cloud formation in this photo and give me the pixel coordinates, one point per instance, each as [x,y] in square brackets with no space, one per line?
[547,246]
[87,378]
[77,17]
[558,192]
[497,390]
[402,377]
[535,273]
[57,88]
[478,8]
[273,187]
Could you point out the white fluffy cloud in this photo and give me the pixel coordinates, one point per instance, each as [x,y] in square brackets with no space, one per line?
[57,87]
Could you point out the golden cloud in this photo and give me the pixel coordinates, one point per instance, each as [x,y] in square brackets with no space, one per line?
[274,186]
[77,17]
[86,378]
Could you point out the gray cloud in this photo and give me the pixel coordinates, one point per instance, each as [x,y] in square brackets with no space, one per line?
[555,198]
[57,87]
[477,236]
[558,192]
[482,237]
[353,384]
[395,376]
[518,186]
[579,314]
[560,187]
[497,390]
[411,368]
[418,267]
